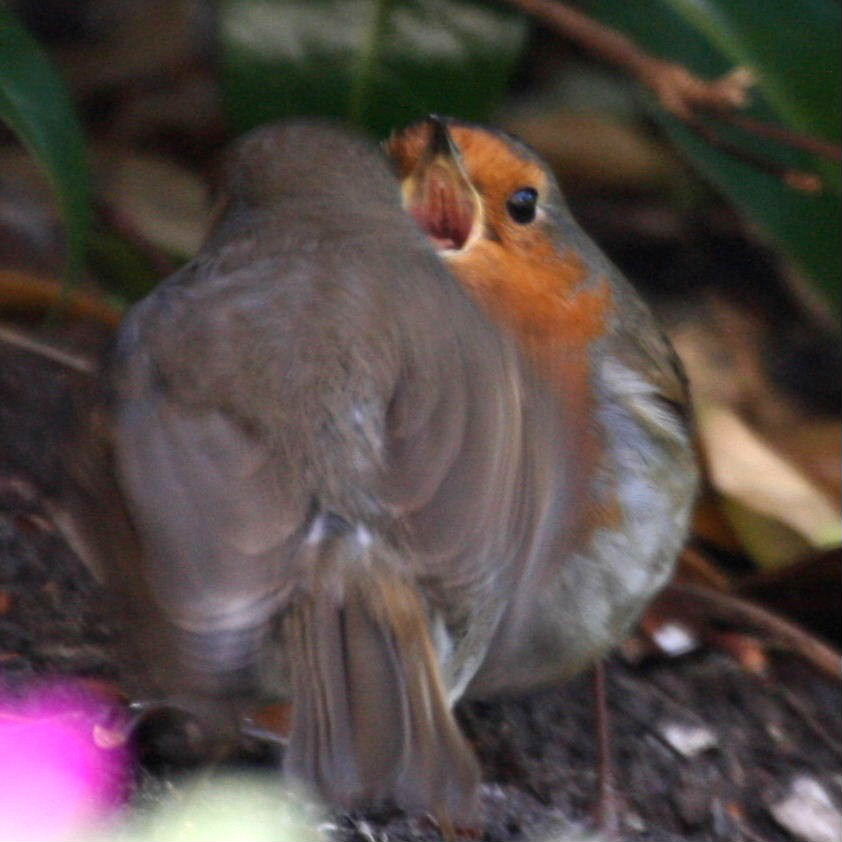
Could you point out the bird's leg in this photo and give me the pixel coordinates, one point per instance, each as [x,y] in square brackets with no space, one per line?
[607,806]
[270,724]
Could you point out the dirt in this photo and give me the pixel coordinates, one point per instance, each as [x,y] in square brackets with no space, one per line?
[746,736]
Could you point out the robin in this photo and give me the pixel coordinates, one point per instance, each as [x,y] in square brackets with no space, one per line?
[323,469]
[496,215]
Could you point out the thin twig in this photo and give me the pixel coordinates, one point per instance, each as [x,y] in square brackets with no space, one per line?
[24,292]
[667,698]
[748,832]
[785,136]
[807,717]
[695,564]
[681,92]
[800,180]
[698,600]
[647,722]
[27,343]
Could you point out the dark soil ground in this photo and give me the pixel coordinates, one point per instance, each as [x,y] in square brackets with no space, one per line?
[759,733]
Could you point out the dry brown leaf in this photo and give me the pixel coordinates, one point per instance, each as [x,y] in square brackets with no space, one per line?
[597,149]
[745,468]
[164,203]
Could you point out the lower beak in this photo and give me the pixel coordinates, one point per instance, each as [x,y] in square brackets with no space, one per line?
[439,193]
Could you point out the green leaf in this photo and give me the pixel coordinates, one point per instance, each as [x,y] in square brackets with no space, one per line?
[377,63]
[36,105]
[793,46]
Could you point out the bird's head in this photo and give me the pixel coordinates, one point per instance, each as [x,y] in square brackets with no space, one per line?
[494,212]
[470,187]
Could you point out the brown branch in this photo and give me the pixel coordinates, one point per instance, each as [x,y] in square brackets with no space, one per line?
[800,180]
[749,833]
[807,716]
[680,91]
[787,137]
[700,601]
[28,293]
[607,812]
[695,567]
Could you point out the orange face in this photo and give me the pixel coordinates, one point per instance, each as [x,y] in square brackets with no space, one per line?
[489,206]
[481,167]
[495,215]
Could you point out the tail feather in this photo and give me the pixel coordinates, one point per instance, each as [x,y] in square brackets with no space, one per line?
[371,721]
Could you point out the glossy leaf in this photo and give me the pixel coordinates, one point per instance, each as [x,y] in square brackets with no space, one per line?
[795,45]
[36,105]
[794,48]
[378,63]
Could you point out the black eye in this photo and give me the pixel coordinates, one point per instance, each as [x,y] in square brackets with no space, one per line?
[522,205]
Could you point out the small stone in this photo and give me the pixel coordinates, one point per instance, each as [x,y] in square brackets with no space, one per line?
[674,639]
[808,813]
[689,740]
[634,821]
[365,830]
[576,836]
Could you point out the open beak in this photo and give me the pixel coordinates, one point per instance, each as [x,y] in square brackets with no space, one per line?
[439,193]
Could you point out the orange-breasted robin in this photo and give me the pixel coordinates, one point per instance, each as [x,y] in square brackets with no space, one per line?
[497,217]
[325,468]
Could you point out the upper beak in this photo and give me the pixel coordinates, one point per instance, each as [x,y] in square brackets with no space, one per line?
[441,141]
[439,193]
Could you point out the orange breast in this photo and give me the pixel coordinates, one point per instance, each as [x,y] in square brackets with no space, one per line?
[541,295]
[544,297]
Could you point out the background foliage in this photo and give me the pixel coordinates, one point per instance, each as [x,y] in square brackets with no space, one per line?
[383,63]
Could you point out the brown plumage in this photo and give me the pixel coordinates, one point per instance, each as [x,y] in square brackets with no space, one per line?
[593,343]
[313,469]
[319,471]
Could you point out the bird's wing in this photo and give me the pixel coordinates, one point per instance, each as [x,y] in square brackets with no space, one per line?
[475,465]
[230,526]
[215,521]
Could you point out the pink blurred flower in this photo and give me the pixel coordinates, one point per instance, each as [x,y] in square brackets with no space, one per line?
[63,762]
